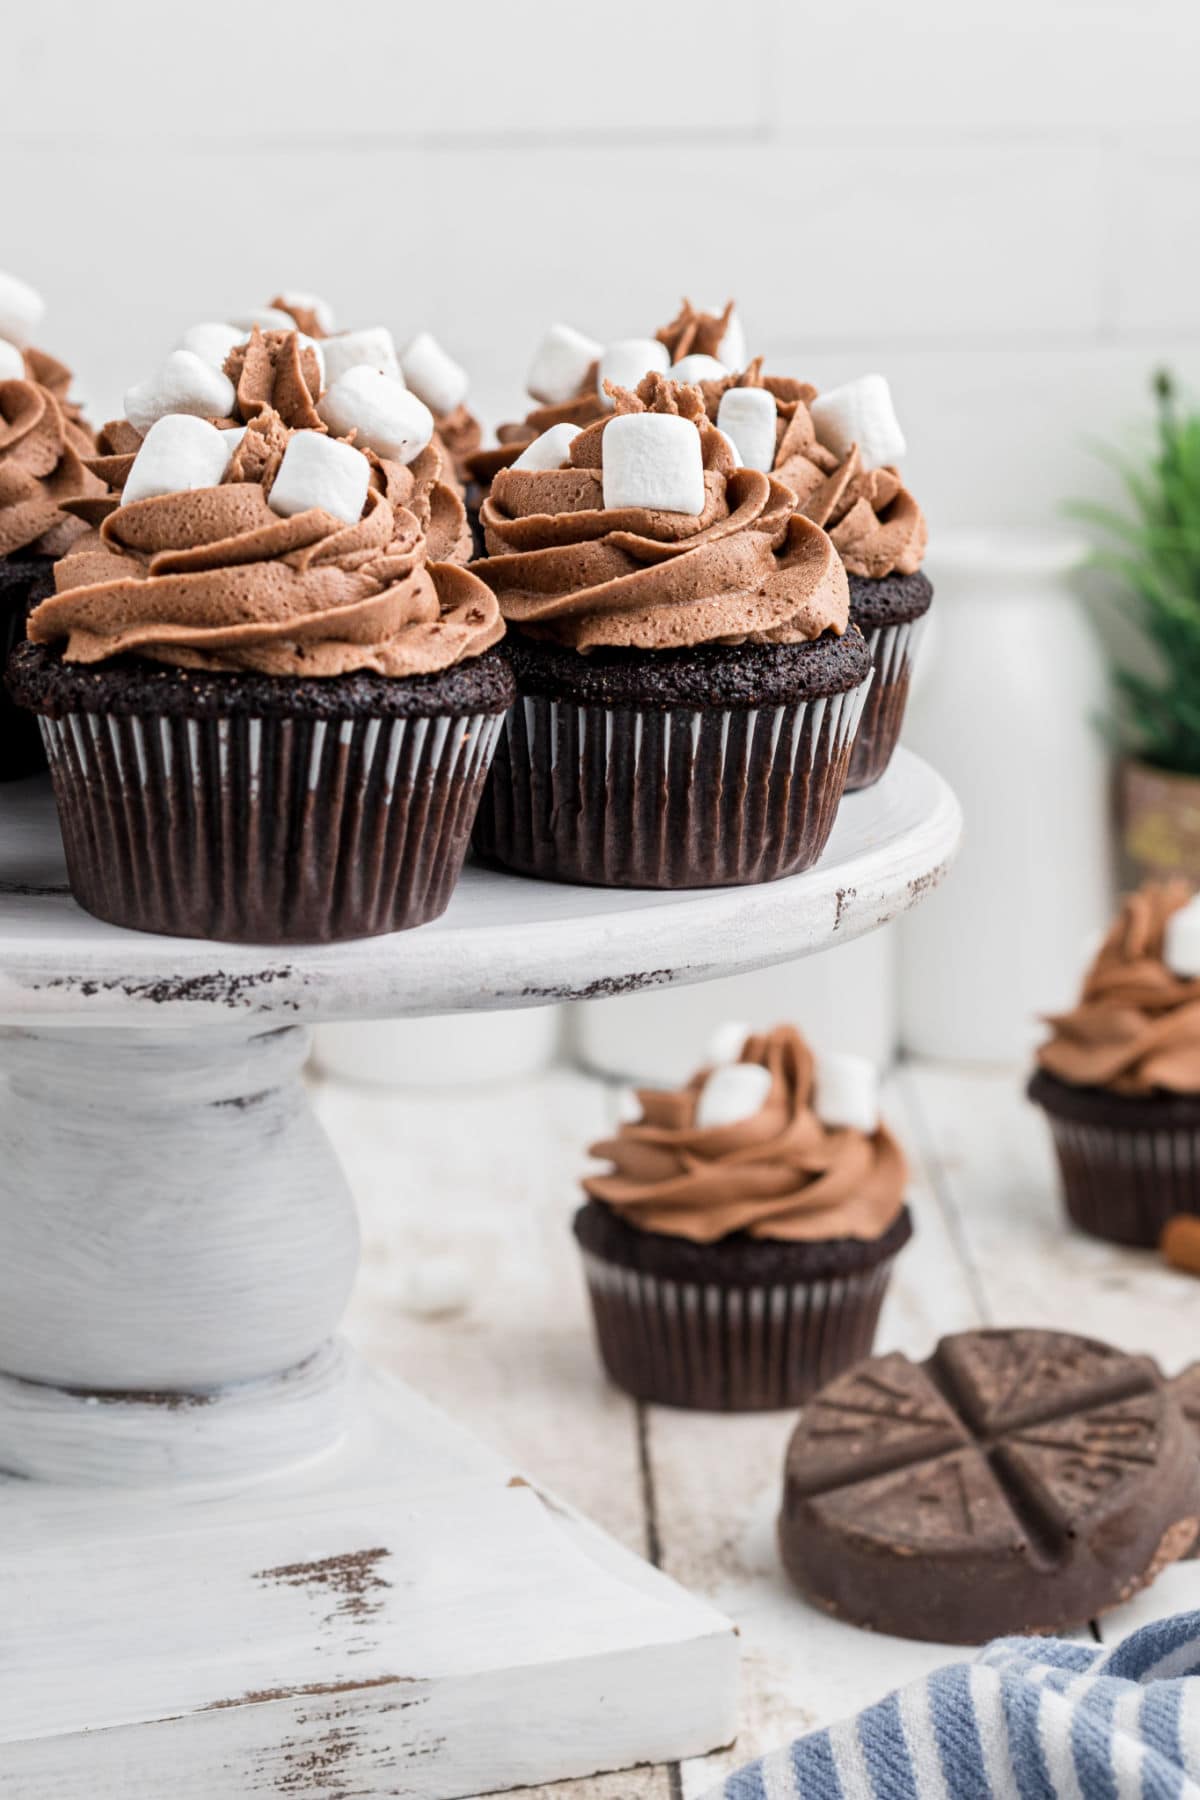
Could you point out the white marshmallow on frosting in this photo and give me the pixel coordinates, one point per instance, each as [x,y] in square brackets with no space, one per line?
[1181,940]
[432,375]
[178,453]
[560,364]
[548,451]
[846,1092]
[625,362]
[12,363]
[317,470]
[727,1042]
[697,367]
[211,342]
[747,417]
[313,303]
[860,412]
[371,348]
[734,1091]
[382,412]
[653,460]
[233,435]
[267,318]
[21,309]
[184,384]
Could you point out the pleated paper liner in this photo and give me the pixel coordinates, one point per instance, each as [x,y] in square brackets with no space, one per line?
[623,796]
[893,651]
[267,830]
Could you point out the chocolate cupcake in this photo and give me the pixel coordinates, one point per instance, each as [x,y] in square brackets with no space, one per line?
[1119,1078]
[738,1252]
[689,693]
[269,706]
[811,443]
[43,443]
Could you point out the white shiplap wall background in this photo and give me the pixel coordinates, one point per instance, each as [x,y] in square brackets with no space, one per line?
[999,206]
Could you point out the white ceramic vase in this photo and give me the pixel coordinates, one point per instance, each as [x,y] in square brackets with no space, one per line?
[1010,712]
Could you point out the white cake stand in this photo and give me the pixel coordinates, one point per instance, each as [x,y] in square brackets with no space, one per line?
[233,1561]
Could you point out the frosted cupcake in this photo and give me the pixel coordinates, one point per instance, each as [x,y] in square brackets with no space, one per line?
[837,453]
[268,695]
[1119,1077]
[689,691]
[738,1251]
[43,443]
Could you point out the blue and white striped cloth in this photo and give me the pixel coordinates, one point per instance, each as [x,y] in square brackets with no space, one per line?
[1031,1718]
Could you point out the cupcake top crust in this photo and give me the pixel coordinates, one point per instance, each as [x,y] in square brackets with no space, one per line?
[1136,1027]
[778,1172]
[572,561]
[224,576]
[44,445]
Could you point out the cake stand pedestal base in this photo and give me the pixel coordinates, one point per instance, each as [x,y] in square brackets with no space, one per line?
[401,1615]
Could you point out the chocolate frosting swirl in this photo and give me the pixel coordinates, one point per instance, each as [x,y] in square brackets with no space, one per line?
[873,520]
[746,569]
[213,579]
[1136,1028]
[695,333]
[43,444]
[779,1174]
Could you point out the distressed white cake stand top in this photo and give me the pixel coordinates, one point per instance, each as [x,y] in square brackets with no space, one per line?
[504,942]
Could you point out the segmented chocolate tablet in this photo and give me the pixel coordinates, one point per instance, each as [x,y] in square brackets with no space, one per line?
[1016,1481]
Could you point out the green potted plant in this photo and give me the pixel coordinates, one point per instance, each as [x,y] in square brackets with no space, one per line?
[1153,549]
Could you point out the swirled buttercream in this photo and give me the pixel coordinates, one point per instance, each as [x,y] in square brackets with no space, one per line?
[43,447]
[1136,1027]
[746,569]
[873,520]
[213,579]
[779,1174]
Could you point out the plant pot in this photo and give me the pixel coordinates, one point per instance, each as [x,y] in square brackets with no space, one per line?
[1160,823]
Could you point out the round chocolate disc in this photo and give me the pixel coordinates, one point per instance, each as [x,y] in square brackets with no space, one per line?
[1017,1481]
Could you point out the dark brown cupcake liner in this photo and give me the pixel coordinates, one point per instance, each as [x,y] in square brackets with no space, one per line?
[24,580]
[893,651]
[267,830]
[1123,1183]
[666,798]
[720,1348]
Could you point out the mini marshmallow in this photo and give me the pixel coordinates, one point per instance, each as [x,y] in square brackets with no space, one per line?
[860,413]
[548,451]
[653,459]
[697,368]
[317,470]
[178,453]
[267,318]
[372,348]
[184,384]
[313,303]
[21,309]
[734,1091]
[747,416]
[433,376]
[847,1091]
[385,416]
[233,435]
[625,362]
[12,363]
[560,364]
[211,342]
[732,348]
[727,1042]
[436,1284]
[1181,940]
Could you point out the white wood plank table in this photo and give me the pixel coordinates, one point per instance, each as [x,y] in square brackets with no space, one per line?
[493,1173]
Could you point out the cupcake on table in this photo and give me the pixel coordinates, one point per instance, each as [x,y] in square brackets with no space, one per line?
[738,1250]
[43,444]
[267,685]
[689,689]
[1119,1077]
